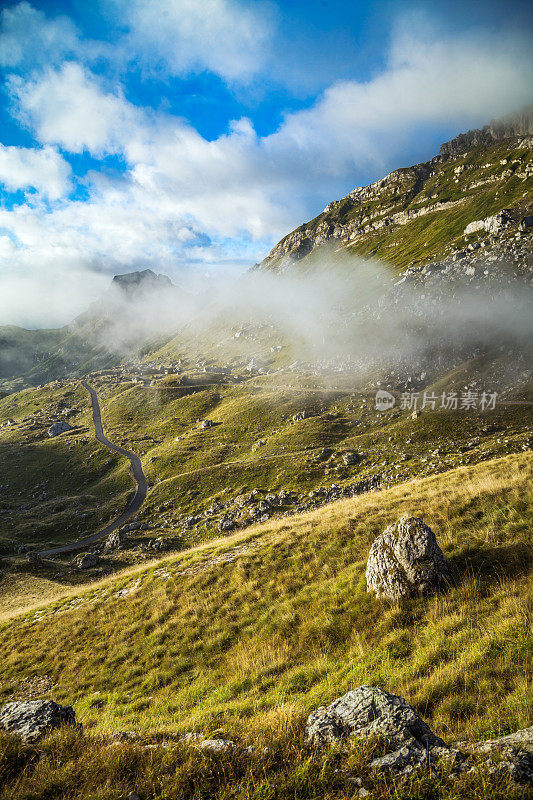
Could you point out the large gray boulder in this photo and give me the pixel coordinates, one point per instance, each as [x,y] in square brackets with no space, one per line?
[59,427]
[368,711]
[405,560]
[86,561]
[31,719]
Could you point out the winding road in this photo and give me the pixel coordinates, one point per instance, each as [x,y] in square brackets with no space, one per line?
[138,475]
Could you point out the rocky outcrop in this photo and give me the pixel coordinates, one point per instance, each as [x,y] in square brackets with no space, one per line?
[31,719]
[405,560]
[520,124]
[493,224]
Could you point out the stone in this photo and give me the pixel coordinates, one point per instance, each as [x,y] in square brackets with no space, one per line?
[350,458]
[368,711]
[207,423]
[159,545]
[405,560]
[116,540]
[59,427]
[217,746]
[31,719]
[300,416]
[86,561]
[227,523]
[393,761]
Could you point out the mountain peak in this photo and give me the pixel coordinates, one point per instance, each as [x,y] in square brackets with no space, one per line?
[145,278]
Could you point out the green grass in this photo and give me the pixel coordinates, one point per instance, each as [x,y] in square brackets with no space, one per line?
[252,646]
[431,236]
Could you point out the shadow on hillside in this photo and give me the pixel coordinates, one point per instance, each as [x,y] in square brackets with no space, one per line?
[491,565]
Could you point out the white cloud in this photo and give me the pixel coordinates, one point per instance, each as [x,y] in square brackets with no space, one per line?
[27,36]
[42,169]
[227,37]
[67,107]
[185,200]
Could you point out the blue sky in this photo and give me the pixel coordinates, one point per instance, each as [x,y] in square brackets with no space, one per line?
[190,135]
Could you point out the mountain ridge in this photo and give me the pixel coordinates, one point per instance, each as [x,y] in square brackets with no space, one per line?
[367,220]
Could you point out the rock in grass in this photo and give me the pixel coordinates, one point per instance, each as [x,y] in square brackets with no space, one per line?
[116,540]
[216,746]
[86,561]
[368,711]
[405,560]
[31,719]
[58,428]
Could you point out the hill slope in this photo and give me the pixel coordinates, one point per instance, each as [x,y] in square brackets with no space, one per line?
[248,635]
[419,213]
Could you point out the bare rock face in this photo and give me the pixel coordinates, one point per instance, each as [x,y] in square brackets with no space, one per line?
[31,719]
[405,560]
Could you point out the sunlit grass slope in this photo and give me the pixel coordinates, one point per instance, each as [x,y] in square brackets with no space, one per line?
[193,644]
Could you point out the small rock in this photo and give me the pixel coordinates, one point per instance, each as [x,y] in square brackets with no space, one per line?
[116,540]
[31,719]
[59,427]
[217,746]
[86,561]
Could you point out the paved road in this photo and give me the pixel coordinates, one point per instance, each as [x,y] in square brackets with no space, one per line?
[137,472]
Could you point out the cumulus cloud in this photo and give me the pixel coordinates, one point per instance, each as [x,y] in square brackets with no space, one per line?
[66,106]
[226,37]
[27,37]
[29,168]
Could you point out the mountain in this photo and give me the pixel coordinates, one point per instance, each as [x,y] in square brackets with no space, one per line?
[136,306]
[419,213]
[235,603]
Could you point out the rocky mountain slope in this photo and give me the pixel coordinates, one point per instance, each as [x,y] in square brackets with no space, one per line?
[420,213]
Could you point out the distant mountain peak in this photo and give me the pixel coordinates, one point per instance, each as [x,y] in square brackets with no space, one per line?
[145,278]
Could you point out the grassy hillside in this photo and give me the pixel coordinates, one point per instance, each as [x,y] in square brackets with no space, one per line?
[248,634]
[450,194]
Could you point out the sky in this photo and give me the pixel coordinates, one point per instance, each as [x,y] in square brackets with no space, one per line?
[189,136]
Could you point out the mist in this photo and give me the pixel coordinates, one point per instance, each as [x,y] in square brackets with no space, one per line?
[343,315]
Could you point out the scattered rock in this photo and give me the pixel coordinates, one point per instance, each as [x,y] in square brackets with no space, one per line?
[207,423]
[217,746]
[86,561]
[405,560]
[31,719]
[59,427]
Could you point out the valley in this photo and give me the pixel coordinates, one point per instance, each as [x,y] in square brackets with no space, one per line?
[188,503]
